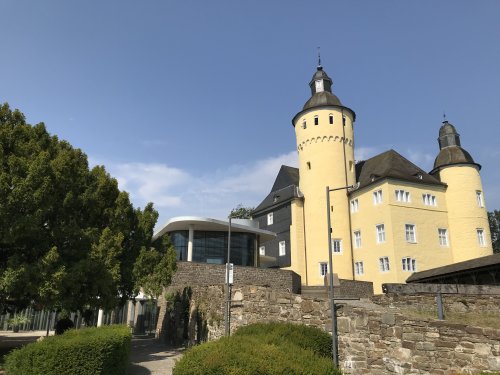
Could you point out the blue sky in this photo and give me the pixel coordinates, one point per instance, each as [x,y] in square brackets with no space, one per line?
[189,103]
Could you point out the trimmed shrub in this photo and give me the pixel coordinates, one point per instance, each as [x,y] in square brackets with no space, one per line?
[89,351]
[320,342]
[273,349]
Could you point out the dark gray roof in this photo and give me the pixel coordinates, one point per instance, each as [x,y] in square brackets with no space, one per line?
[284,189]
[321,99]
[390,164]
[452,155]
[286,176]
[468,265]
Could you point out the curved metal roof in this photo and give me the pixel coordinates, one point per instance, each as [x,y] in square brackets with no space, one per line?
[216,225]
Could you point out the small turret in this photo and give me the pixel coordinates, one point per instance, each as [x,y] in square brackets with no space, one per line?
[451,151]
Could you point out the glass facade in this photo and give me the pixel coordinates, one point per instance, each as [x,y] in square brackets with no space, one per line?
[180,241]
[211,247]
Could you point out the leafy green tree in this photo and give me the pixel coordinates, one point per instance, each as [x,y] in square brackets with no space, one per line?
[241,212]
[69,238]
[494,219]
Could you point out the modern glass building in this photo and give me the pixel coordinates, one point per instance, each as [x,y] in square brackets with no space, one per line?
[205,240]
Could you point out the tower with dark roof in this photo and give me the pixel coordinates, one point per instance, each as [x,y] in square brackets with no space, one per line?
[324,131]
[455,167]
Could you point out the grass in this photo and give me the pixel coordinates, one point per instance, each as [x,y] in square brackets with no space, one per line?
[483,320]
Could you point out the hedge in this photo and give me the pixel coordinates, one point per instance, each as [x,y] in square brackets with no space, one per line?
[320,342]
[88,351]
[273,349]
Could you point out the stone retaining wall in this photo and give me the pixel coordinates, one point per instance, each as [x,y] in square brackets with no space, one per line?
[200,274]
[488,304]
[373,339]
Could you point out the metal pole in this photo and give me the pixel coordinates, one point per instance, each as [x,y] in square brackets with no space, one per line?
[439,300]
[227,311]
[330,274]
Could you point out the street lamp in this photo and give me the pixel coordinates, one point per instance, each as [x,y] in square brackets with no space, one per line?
[335,353]
[227,303]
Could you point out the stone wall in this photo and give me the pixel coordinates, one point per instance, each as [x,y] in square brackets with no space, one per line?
[200,274]
[420,288]
[488,304]
[373,339]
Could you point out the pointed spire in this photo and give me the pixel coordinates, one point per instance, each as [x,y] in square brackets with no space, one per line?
[444,117]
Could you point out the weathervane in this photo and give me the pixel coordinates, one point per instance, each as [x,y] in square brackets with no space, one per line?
[319,57]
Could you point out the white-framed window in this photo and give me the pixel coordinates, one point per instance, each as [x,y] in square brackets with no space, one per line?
[262,250]
[384,264]
[323,268]
[316,120]
[336,245]
[409,264]
[377,197]
[358,268]
[402,196]
[410,233]
[479,198]
[330,119]
[429,199]
[443,236]
[354,205]
[282,250]
[480,237]
[270,218]
[380,231]
[357,239]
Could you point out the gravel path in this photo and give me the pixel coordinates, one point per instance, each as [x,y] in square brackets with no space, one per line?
[150,356]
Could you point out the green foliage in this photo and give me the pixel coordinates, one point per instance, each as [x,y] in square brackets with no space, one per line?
[18,320]
[69,238]
[494,219]
[306,337]
[103,350]
[279,349]
[155,267]
[241,212]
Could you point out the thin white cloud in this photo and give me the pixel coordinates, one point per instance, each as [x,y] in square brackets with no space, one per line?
[423,160]
[363,153]
[177,192]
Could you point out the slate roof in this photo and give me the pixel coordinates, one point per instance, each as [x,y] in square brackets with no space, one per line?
[285,188]
[457,268]
[390,164]
[453,155]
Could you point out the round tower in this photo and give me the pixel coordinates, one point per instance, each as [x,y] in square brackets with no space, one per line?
[325,145]
[467,216]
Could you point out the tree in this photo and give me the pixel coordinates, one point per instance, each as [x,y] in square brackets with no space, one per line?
[494,219]
[241,212]
[69,238]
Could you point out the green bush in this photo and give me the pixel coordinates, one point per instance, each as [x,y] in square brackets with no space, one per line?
[320,342]
[88,351]
[273,349]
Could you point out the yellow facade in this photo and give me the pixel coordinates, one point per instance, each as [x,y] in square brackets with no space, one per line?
[319,145]
[466,214]
[425,224]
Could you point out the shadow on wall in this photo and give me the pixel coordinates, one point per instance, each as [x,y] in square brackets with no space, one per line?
[184,323]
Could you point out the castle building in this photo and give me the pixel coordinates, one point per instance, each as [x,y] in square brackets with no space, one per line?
[389,218]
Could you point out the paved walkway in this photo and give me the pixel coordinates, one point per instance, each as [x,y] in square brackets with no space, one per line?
[147,356]
[150,356]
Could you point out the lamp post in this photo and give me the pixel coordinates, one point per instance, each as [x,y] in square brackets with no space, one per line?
[227,312]
[335,353]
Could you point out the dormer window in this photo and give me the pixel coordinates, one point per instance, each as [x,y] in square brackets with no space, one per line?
[419,175]
[319,85]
